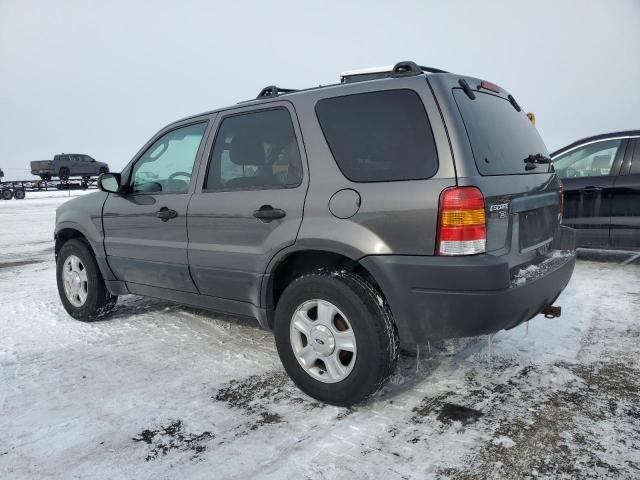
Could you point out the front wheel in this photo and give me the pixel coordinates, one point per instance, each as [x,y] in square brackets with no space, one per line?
[82,290]
[335,337]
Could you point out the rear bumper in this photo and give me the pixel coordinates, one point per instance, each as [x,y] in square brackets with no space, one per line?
[449,297]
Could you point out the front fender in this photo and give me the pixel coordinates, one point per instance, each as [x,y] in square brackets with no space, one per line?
[84,215]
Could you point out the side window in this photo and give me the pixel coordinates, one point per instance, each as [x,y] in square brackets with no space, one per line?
[167,166]
[379,136]
[255,150]
[593,160]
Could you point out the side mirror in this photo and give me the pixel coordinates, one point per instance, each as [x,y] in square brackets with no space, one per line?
[109,182]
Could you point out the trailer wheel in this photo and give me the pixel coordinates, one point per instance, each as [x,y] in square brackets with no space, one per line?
[6,194]
[19,194]
[64,173]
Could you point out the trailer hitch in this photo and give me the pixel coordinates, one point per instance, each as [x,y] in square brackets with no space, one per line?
[551,312]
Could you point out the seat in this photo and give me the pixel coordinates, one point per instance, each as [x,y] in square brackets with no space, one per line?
[601,165]
[248,151]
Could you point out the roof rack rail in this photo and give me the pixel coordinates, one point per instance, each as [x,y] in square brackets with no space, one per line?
[400,69]
[273,91]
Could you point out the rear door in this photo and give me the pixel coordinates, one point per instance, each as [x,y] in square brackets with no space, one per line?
[249,202]
[588,173]
[625,201]
[145,228]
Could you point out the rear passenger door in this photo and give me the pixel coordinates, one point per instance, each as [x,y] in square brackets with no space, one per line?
[625,202]
[249,201]
[588,173]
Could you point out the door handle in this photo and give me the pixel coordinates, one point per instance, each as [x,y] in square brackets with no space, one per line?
[165,214]
[592,189]
[266,213]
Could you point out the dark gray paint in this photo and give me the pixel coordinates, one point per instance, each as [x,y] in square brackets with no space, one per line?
[217,255]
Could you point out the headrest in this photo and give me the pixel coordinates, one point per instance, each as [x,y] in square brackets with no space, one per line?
[247,150]
[601,162]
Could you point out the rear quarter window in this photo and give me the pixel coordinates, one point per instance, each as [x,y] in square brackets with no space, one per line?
[379,136]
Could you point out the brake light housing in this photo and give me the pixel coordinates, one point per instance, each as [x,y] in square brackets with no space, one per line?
[462,225]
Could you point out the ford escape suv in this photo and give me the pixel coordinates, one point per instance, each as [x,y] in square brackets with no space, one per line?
[401,205]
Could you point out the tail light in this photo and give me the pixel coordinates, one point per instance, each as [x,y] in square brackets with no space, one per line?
[462,228]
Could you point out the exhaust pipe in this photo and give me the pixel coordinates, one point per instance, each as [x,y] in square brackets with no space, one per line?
[551,312]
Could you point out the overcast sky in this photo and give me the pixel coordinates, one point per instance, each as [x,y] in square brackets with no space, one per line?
[101,77]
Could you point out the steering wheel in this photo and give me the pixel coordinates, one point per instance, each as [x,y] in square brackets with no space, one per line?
[179,174]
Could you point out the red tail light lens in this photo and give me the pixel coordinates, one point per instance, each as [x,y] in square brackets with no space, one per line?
[462,227]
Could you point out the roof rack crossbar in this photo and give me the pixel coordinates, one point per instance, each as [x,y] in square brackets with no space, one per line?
[273,91]
[401,69]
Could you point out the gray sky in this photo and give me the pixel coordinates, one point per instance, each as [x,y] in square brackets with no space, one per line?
[101,77]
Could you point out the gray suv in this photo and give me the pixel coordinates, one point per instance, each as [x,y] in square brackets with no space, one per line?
[402,205]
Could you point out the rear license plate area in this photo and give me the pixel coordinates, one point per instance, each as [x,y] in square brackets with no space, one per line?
[537,227]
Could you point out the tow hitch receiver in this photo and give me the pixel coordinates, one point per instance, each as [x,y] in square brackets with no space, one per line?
[551,312]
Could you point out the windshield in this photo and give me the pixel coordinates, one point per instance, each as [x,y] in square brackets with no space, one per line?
[503,140]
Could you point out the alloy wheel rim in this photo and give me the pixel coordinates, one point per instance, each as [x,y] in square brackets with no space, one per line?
[74,281]
[323,341]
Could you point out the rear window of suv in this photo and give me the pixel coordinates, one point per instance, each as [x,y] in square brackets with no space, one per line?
[379,136]
[501,137]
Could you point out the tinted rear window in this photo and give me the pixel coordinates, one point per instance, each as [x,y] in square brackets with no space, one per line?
[379,136]
[501,137]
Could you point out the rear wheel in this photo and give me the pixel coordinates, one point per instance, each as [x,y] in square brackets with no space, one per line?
[64,173]
[335,337]
[6,194]
[19,194]
[82,290]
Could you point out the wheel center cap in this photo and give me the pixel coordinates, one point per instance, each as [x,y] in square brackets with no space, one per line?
[322,340]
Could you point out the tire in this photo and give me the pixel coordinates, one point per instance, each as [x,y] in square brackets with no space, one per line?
[98,302]
[19,194]
[6,194]
[103,170]
[64,174]
[366,316]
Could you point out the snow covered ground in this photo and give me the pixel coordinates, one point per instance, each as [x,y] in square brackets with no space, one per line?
[164,391]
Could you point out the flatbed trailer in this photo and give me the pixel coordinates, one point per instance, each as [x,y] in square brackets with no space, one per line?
[18,188]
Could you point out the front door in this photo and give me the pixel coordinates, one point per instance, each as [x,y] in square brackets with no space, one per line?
[145,228]
[588,174]
[250,202]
